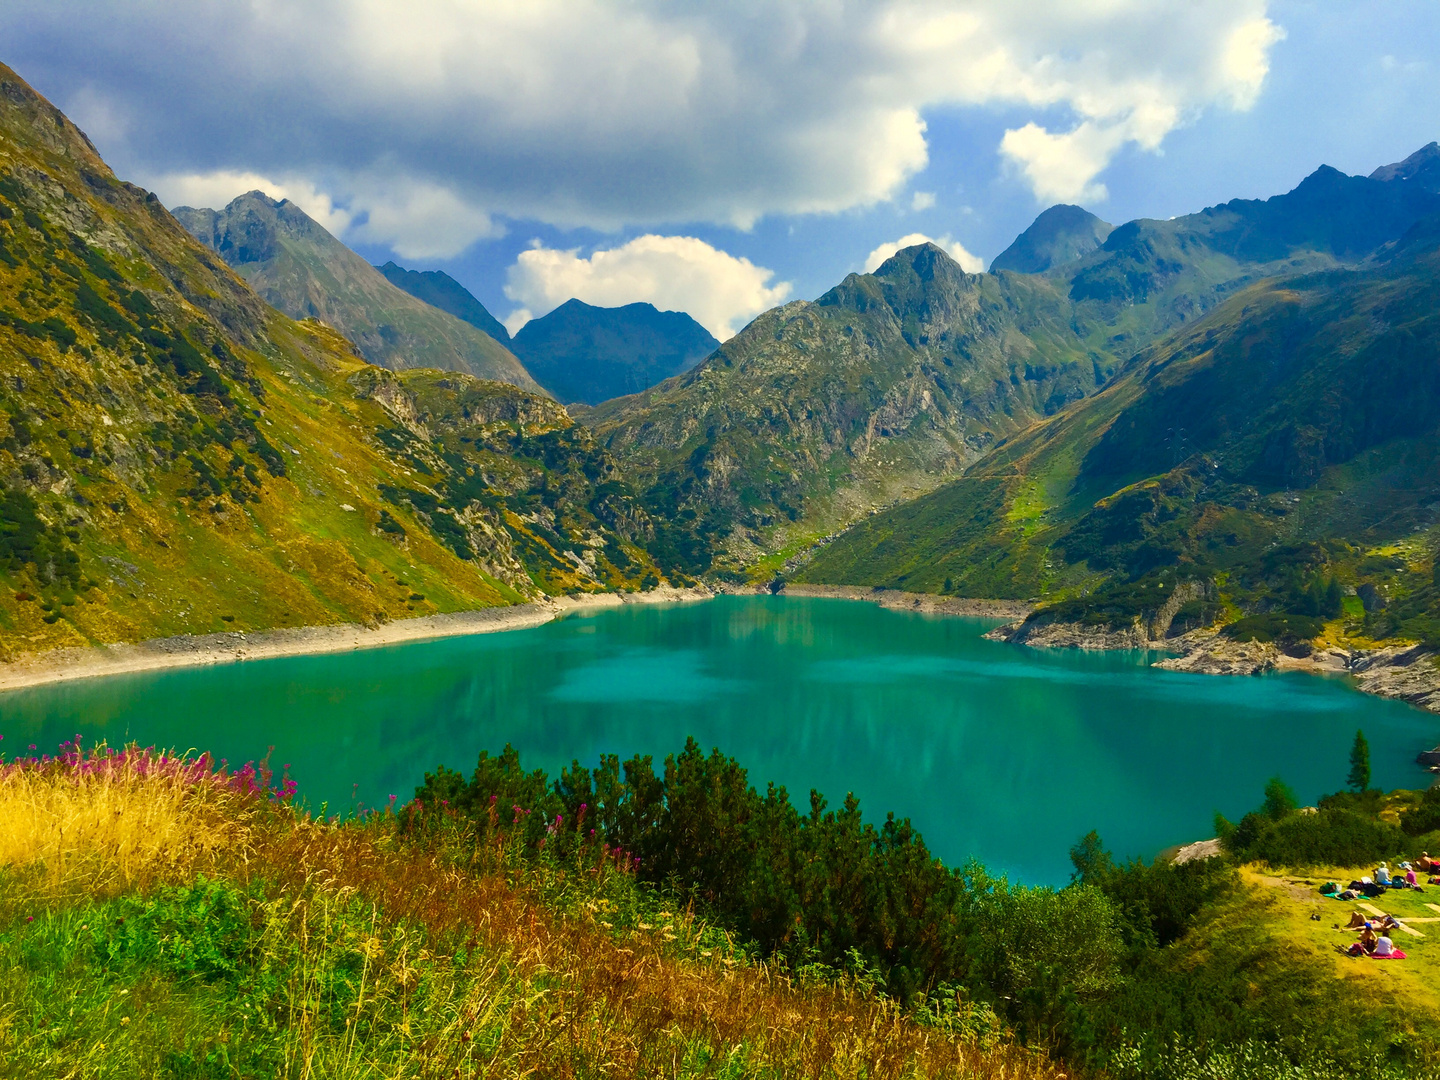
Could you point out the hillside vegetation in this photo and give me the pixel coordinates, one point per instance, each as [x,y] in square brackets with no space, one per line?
[178,457]
[162,917]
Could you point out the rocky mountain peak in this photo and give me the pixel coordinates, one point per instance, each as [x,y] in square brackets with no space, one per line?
[1060,235]
[1421,167]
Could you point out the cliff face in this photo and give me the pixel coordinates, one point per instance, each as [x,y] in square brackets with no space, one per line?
[176,456]
[295,265]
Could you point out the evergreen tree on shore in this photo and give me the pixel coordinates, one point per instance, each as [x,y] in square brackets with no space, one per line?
[1359,779]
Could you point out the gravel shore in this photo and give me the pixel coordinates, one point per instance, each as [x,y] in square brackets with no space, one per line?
[190,650]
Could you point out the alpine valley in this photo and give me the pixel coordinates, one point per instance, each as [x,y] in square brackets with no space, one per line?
[1219,431]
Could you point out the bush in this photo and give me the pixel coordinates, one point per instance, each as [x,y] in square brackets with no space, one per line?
[1327,837]
[1281,628]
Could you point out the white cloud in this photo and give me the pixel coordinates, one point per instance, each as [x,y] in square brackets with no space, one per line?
[971,264]
[1063,168]
[622,113]
[922,200]
[421,221]
[679,273]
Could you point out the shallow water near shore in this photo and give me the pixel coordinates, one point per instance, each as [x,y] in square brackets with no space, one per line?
[997,752]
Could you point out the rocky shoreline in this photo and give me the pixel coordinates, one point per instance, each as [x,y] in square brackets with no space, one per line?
[1407,673]
[923,603]
[199,650]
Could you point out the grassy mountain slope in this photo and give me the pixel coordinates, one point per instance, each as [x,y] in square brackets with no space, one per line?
[294,264]
[177,456]
[1290,437]
[439,289]
[883,386]
[590,354]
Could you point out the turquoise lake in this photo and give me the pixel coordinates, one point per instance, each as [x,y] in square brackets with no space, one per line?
[995,751]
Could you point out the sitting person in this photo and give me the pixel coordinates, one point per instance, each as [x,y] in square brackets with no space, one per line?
[1368,939]
[1383,947]
[1382,875]
[1411,882]
[1425,864]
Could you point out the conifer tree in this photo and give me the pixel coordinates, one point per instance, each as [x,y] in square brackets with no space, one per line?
[1359,779]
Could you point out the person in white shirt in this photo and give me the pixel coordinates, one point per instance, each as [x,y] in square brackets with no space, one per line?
[1382,875]
[1384,947]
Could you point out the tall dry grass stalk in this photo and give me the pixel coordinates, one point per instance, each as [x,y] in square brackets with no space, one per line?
[107,819]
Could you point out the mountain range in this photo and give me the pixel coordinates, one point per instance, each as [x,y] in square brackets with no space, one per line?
[439,289]
[1240,407]
[294,264]
[893,382]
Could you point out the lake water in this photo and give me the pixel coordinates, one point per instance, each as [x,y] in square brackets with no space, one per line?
[995,751]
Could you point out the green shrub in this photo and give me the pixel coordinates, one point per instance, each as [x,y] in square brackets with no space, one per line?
[1278,627]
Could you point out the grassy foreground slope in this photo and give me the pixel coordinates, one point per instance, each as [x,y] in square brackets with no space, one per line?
[1287,440]
[160,919]
[176,456]
[163,918]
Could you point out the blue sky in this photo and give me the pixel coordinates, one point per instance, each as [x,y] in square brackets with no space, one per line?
[722,157]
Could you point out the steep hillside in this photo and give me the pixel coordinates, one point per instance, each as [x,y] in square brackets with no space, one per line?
[1287,441]
[439,289]
[591,354]
[177,456]
[882,387]
[294,264]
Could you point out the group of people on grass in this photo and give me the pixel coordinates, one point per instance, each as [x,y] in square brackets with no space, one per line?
[1374,937]
[1374,940]
[1407,876]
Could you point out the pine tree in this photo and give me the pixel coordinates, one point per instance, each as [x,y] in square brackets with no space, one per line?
[1279,799]
[1360,763]
[1334,599]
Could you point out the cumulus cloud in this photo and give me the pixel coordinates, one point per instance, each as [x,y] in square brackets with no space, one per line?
[1063,168]
[720,291]
[971,264]
[624,113]
[922,200]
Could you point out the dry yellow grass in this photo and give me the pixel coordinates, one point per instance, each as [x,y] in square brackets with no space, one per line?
[117,819]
